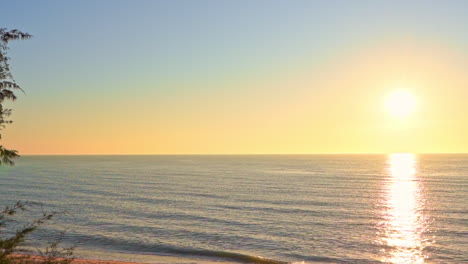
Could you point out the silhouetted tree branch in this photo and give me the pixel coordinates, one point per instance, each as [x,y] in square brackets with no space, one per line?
[7,87]
[10,241]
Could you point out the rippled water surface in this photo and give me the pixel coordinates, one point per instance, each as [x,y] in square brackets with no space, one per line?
[399,208]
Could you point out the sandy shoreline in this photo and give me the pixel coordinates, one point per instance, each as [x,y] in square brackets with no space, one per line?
[93,257]
[38,259]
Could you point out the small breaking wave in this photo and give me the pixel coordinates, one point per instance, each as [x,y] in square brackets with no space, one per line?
[236,257]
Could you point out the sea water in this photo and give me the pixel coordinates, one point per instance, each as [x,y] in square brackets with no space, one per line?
[398,208]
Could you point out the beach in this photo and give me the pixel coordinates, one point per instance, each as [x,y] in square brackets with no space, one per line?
[39,259]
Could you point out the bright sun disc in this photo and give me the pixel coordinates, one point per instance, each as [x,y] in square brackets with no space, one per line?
[400,103]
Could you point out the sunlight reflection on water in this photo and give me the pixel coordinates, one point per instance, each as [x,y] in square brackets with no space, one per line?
[405,222]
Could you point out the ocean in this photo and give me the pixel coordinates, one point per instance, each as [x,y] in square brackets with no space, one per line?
[266,209]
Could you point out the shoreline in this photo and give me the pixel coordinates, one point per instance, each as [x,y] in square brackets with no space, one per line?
[94,257]
[38,259]
[99,257]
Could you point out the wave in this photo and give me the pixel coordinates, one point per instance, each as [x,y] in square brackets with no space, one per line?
[133,247]
[237,257]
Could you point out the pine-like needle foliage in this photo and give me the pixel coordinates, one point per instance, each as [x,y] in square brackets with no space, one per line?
[12,240]
[8,86]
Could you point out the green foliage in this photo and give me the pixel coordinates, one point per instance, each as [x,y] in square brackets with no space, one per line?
[10,242]
[7,155]
[8,86]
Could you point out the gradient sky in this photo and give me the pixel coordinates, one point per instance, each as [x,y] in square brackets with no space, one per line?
[231,77]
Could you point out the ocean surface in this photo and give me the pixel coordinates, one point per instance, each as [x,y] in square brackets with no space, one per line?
[271,209]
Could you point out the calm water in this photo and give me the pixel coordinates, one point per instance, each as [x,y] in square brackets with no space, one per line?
[398,208]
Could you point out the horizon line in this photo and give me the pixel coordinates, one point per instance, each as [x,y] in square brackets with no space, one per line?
[245,154]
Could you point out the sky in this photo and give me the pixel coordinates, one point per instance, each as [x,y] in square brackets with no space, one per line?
[237,77]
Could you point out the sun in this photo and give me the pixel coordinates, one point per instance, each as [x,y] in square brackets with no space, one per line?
[400,103]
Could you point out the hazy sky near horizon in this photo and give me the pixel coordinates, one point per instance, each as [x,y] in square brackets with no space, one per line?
[206,77]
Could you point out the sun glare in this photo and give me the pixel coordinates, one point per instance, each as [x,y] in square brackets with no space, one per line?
[405,221]
[400,103]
